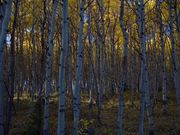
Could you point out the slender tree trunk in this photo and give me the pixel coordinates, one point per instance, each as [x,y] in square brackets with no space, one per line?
[33,53]
[70,68]
[93,78]
[132,63]
[2,89]
[21,66]
[174,62]
[43,57]
[2,12]
[144,83]
[49,68]
[90,54]
[12,67]
[101,57]
[5,22]
[112,87]
[78,76]
[124,68]
[177,19]
[142,105]
[164,90]
[61,84]
[112,57]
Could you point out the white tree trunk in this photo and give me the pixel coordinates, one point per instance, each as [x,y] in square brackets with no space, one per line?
[49,68]
[144,85]
[61,83]
[78,76]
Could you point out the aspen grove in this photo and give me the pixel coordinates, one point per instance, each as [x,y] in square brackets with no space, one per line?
[89,67]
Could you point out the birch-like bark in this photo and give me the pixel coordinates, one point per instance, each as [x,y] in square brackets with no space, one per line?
[144,83]
[78,76]
[5,22]
[124,68]
[61,83]
[49,68]
[173,55]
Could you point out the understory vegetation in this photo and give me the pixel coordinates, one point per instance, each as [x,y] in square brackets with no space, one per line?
[25,121]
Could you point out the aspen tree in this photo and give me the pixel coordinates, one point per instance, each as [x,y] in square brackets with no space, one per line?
[12,65]
[3,32]
[144,82]
[164,89]
[61,82]
[101,56]
[124,68]
[78,74]
[49,68]
[173,55]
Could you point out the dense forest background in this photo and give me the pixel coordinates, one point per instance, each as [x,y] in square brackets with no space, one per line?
[95,67]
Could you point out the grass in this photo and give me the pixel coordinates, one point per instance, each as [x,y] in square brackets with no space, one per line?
[165,124]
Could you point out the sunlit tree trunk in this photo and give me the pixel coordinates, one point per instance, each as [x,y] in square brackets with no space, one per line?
[61,83]
[78,74]
[5,22]
[49,68]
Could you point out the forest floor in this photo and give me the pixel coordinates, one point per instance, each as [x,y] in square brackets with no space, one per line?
[165,124]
